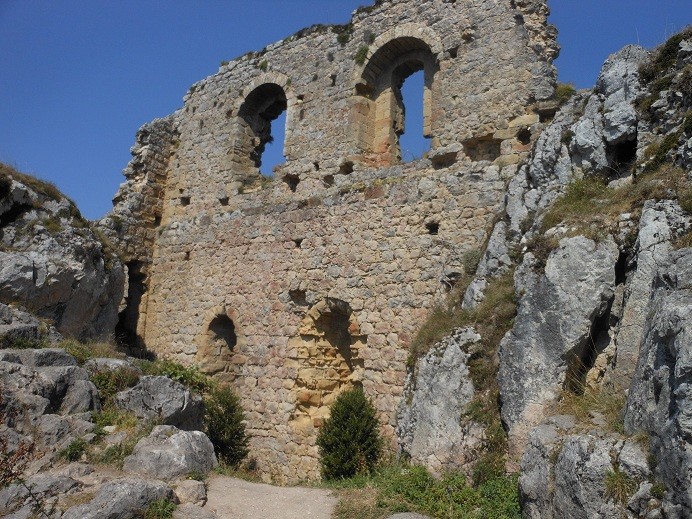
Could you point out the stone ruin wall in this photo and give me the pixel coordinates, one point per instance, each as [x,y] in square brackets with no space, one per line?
[295,288]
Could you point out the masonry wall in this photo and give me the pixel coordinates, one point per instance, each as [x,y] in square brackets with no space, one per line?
[296,287]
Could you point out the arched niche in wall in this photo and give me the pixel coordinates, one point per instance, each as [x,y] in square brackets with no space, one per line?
[379,109]
[219,344]
[328,359]
[262,102]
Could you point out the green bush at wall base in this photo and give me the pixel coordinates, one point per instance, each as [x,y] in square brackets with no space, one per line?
[224,425]
[350,442]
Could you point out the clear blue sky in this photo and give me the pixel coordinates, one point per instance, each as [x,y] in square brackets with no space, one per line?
[78,77]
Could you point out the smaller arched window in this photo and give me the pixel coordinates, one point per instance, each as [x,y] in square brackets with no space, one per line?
[380,110]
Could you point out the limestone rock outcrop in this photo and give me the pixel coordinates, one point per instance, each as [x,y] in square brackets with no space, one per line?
[429,423]
[44,396]
[553,329]
[564,473]
[52,263]
[660,399]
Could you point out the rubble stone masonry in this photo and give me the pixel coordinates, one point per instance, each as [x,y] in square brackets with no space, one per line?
[294,288]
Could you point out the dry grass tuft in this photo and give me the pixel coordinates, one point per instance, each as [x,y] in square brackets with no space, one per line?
[583,402]
[590,208]
[359,503]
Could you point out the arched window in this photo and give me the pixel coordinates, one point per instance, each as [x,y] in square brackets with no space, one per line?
[413,141]
[262,106]
[380,110]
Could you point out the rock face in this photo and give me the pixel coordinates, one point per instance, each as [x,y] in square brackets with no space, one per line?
[661,222]
[19,326]
[168,453]
[430,428]
[564,475]
[165,400]
[52,263]
[660,400]
[552,332]
[565,471]
[17,503]
[44,394]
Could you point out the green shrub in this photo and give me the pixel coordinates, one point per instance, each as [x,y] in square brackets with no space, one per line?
[224,424]
[361,55]
[619,486]
[564,92]
[161,509]
[189,376]
[110,382]
[349,442]
[22,343]
[74,450]
[343,33]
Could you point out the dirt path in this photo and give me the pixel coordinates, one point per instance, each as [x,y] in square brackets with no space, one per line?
[237,499]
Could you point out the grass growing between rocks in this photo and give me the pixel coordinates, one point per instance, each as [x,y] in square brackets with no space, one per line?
[111,382]
[75,450]
[399,488]
[90,350]
[619,486]
[564,92]
[189,376]
[587,403]
[114,455]
[492,318]
[43,187]
[590,208]
[160,509]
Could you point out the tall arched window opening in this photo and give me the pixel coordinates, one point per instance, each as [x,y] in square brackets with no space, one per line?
[413,141]
[274,148]
[379,110]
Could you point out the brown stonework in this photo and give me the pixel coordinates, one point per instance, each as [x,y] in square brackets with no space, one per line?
[294,288]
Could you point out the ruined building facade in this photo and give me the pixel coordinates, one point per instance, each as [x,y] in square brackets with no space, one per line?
[294,288]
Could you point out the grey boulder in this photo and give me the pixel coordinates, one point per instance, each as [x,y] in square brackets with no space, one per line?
[126,498]
[168,453]
[165,400]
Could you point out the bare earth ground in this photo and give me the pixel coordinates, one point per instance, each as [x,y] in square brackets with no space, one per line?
[234,498]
